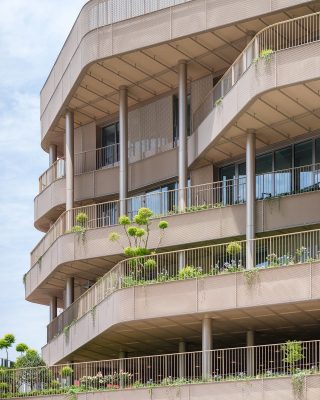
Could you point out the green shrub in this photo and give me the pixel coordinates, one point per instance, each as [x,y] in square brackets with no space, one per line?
[188,272]
[66,371]
[4,387]
[150,263]
[82,219]
[233,249]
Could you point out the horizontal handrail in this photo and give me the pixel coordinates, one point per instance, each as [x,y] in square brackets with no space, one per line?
[201,197]
[53,173]
[220,365]
[96,159]
[268,252]
[279,36]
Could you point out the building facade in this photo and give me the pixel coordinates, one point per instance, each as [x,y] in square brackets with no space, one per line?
[208,113]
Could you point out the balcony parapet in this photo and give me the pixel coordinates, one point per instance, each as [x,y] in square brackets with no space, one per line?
[256,369]
[273,39]
[97,159]
[223,259]
[201,197]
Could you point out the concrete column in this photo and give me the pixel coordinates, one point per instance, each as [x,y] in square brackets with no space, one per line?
[182,359]
[123,125]
[206,347]
[52,154]
[69,165]
[53,307]
[251,199]
[183,151]
[69,292]
[122,366]
[182,259]
[250,353]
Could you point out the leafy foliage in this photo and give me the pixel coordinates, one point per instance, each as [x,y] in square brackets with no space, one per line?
[292,353]
[6,342]
[21,348]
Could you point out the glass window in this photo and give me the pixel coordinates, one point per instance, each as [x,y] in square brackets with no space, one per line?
[303,154]
[109,153]
[227,176]
[317,167]
[176,117]
[283,179]
[283,159]
[242,183]
[264,178]
[317,150]
[303,176]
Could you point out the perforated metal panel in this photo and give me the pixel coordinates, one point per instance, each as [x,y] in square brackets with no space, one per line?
[150,128]
[199,90]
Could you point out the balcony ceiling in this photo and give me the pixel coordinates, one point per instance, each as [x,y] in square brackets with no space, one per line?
[152,72]
[277,116]
[272,324]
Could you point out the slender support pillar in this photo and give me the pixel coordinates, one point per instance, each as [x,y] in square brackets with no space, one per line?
[123,124]
[69,165]
[250,354]
[183,152]
[182,359]
[52,154]
[206,347]
[53,308]
[122,367]
[251,199]
[182,259]
[69,291]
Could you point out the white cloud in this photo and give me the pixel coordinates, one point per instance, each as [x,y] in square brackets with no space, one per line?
[31,35]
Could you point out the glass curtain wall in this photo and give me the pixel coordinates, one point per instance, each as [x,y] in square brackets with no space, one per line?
[292,169]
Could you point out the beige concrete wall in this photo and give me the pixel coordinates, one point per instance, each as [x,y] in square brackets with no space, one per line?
[203,226]
[105,182]
[258,389]
[85,138]
[275,286]
[202,175]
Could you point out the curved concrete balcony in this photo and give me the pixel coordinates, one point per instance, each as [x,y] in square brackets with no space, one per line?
[271,89]
[95,180]
[144,52]
[214,211]
[125,302]
[241,373]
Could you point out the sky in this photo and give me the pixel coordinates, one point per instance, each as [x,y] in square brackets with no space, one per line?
[32,33]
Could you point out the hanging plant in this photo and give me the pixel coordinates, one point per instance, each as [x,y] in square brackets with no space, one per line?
[251,276]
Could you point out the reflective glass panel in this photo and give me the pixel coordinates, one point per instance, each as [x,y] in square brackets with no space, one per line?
[283,179]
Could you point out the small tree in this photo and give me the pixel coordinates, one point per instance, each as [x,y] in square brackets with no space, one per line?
[35,378]
[292,351]
[21,348]
[136,238]
[6,342]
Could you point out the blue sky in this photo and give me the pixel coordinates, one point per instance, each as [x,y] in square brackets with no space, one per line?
[32,33]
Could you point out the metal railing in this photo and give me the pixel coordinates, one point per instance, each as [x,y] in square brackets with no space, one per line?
[96,159]
[53,173]
[202,197]
[280,36]
[288,359]
[273,251]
